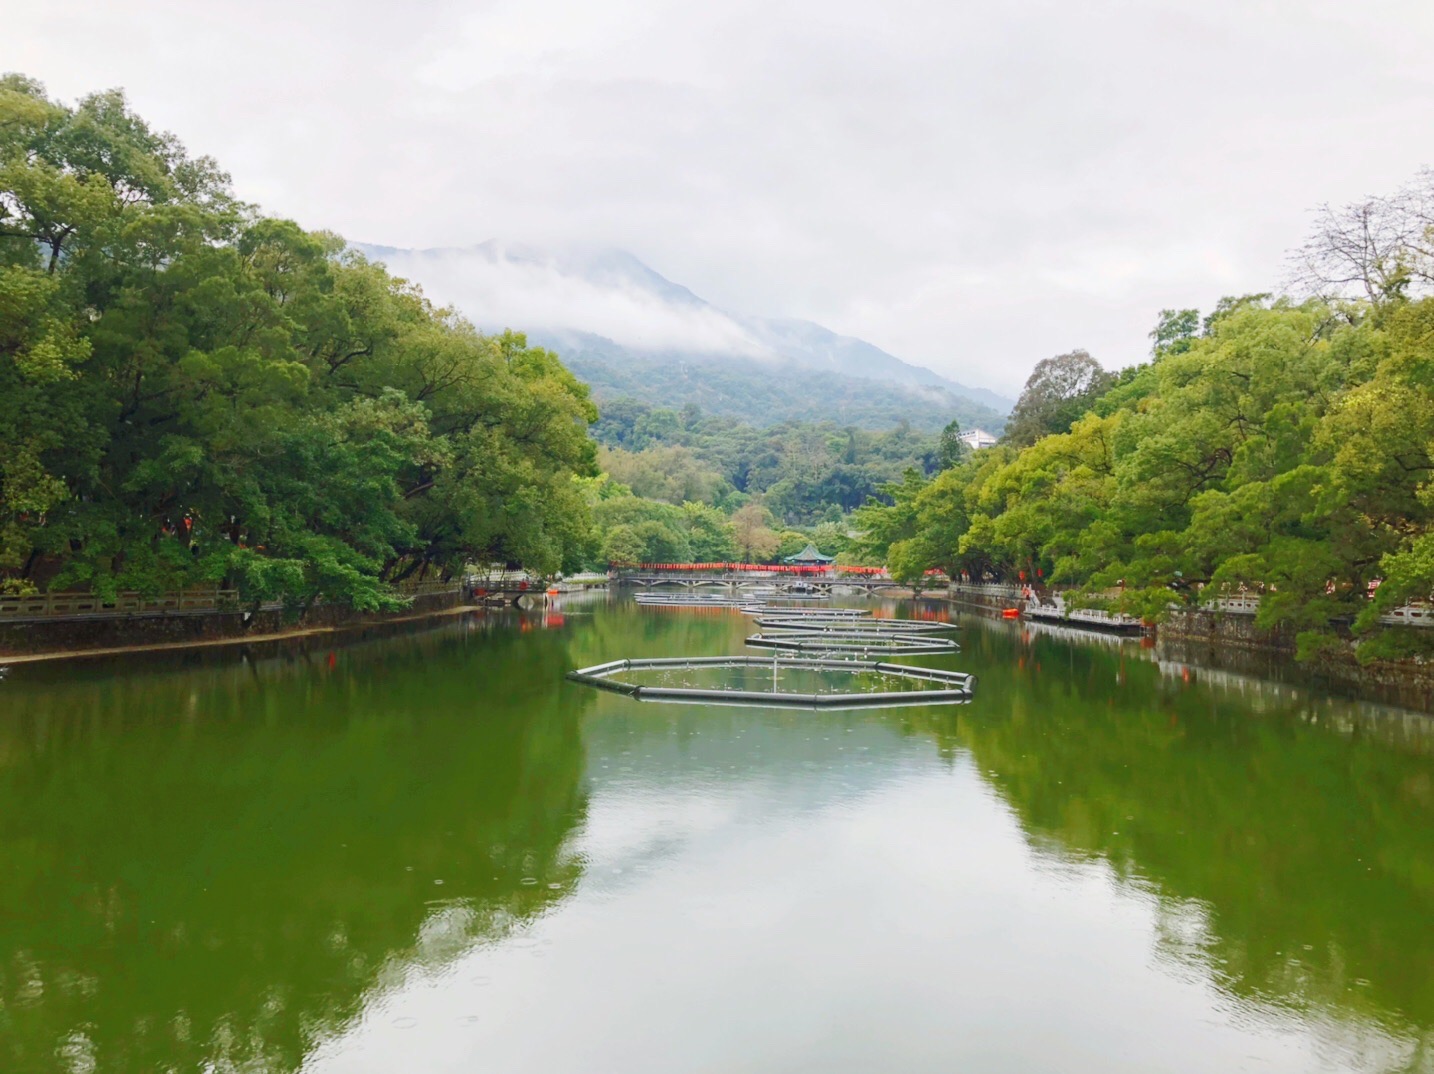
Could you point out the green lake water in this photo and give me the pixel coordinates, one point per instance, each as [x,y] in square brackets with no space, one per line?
[428,852]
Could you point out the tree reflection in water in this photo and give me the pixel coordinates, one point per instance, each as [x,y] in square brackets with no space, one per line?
[1296,826]
[209,865]
[220,863]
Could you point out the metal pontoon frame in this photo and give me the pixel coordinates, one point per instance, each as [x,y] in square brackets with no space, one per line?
[851,641]
[957,687]
[805,624]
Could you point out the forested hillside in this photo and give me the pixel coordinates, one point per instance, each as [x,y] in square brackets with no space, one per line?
[631,333]
[763,394]
[1278,444]
[193,392]
[804,472]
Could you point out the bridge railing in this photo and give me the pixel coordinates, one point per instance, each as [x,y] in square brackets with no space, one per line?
[644,578]
[725,569]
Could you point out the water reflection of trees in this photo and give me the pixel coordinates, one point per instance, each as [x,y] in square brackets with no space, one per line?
[211,867]
[1287,835]
[1302,828]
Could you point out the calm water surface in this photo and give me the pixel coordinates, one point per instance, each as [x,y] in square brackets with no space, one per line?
[430,853]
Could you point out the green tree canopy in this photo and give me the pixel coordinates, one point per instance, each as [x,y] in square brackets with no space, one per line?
[193,392]
[1058,391]
[1287,448]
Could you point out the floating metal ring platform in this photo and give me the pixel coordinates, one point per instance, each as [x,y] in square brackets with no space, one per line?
[956,687]
[815,615]
[854,641]
[666,601]
[808,625]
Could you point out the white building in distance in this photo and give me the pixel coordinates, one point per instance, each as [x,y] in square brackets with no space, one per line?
[976,439]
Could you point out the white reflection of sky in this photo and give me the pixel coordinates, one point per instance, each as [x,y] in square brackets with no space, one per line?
[856,904]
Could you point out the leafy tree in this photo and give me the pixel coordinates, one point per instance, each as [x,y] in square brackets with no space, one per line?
[1058,391]
[831,538]
[671,473]
[1231,304]
[662,544]
[880,524]
[1287,450]
[756,541]
[789,543]
[1174,332]
[191,392]
[709,533]
[951,449]
[623,545]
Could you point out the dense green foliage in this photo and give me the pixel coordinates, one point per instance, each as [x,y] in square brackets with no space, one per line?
[683,486]
[192,392]
[1282,446]
[637,529]
[803,473]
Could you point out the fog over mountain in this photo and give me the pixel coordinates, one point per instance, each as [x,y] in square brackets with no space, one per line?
[604,306]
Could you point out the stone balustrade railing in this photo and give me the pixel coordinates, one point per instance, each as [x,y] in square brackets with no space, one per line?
[90,605]
[194,601]
[994,589]
[1417,613]
[421,589]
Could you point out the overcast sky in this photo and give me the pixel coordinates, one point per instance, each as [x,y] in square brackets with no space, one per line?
[973,186]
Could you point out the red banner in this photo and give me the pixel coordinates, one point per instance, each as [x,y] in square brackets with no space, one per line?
[763,568]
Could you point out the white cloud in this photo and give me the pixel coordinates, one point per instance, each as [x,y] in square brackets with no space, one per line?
[497,292]
[972,186]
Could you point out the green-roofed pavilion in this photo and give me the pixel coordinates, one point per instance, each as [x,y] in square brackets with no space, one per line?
[809,557]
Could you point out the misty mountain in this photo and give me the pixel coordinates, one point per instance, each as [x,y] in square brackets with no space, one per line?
[814,347]
[629,331]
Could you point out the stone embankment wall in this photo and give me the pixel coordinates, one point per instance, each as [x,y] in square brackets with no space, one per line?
[986,598]
[78,635]
[1233,642]
[1223,628]
[1215,639]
